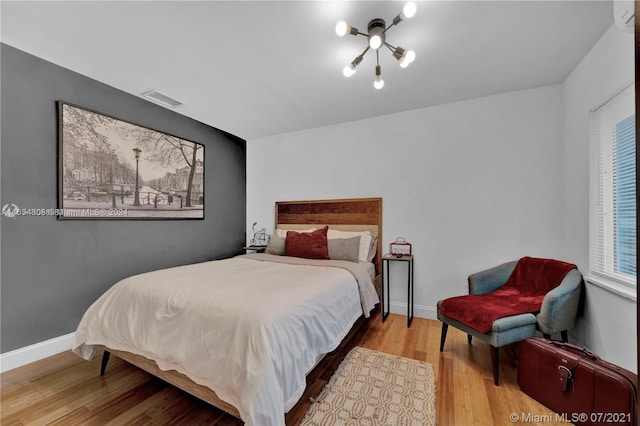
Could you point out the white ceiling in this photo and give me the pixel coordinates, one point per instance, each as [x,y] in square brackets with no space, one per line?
[261,68]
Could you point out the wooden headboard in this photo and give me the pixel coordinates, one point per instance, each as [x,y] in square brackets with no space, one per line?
[351,214]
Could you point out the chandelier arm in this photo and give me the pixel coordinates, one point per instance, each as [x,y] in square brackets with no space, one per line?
[390,46]
[388,28]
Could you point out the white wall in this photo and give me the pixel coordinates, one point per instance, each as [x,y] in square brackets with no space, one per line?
[471,184]
[609,323]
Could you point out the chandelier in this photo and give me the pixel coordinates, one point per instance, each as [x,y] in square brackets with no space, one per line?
[377,38]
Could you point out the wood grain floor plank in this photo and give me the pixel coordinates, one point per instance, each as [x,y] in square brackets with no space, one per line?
[78,416]
[44,366]
[446,414]
[87,390]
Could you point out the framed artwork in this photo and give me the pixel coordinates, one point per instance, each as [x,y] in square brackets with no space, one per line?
[112,169]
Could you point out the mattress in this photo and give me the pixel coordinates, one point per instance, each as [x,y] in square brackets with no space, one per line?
[249,329]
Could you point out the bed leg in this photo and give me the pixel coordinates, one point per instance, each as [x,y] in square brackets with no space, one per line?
[105,360]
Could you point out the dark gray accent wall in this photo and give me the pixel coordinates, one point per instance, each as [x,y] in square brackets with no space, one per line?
[52,270]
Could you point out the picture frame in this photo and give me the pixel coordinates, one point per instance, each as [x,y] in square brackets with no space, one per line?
[109,168]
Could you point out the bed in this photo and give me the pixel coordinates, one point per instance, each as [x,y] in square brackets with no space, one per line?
[242,333]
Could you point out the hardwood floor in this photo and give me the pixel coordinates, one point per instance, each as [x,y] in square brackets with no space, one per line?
[66,390]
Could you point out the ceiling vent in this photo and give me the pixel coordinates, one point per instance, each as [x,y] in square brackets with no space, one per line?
[161,99]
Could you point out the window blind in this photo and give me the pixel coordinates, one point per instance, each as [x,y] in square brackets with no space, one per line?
[613,234]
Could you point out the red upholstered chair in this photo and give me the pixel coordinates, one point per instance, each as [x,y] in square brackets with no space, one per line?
[509,302]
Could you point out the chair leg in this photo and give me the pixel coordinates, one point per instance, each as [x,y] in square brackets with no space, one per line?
[105,360]
[495,362]
[565,336]
[443,335]
[469,337]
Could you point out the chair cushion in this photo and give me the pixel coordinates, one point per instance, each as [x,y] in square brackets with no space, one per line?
[523,292]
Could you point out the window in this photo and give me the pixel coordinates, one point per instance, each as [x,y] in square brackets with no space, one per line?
[613,223]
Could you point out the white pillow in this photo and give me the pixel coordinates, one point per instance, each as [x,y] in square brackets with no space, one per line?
[373,249]
[282,233]
[365,240]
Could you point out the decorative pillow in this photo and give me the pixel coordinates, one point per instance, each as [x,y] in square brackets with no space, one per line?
[282,233]
[312,245]
[344,248]
[365,240]
[275,245]
[373,248]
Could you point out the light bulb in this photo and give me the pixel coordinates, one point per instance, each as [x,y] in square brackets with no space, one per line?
[408,10]
[342,28]
[375,41]
[376,34]
[408,57]
[349,70]
[378,82]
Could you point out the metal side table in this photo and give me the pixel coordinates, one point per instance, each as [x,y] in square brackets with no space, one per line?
[408,259]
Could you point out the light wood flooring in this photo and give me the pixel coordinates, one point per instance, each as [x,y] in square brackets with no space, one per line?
[66,390]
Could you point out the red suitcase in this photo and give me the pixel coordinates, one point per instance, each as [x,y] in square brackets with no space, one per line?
[577,384]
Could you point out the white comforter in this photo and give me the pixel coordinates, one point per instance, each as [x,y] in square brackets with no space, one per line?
[248,329]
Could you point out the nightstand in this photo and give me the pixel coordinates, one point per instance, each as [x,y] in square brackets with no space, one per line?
[408,260]
[257,249]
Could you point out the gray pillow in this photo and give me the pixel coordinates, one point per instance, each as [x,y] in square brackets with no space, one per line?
[344,248]
[275,245]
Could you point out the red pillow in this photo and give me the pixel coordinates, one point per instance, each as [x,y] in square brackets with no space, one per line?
[312,245]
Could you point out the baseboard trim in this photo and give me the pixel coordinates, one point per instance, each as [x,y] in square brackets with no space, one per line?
[419,311]
[36,352]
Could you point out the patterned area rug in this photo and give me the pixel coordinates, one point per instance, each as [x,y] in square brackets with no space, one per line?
[373,388]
